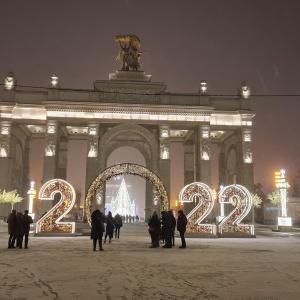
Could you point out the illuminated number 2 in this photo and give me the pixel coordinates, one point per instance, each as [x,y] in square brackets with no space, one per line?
[50,223]
[200,212]
[240,197]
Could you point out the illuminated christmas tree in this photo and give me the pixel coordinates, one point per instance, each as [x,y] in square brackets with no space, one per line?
[121,204]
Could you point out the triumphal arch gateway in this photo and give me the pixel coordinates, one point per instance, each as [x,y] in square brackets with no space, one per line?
[128,109]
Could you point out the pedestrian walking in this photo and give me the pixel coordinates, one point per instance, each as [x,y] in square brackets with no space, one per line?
[12,228]
[181,227]
[118,224]
[109,227]
[97,228]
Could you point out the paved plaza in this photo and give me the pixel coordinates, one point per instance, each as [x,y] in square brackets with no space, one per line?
[265,267]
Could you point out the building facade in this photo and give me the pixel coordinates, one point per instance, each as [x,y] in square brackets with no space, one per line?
[128,109]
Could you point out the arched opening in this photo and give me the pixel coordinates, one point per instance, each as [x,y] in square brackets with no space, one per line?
[135,186]
[122,169]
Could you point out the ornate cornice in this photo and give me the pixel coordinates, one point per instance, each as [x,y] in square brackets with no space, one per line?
[128,108]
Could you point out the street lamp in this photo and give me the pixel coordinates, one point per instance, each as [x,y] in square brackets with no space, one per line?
[32,194]
[282,185]
[221,217]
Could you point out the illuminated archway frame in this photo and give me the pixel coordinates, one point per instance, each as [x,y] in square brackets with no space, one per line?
[120,169]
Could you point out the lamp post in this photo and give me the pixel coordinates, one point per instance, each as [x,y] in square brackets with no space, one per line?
[221,217]
[31,193]
[282,185]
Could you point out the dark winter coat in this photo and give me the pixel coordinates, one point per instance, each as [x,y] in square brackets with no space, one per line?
[181,223]
[26,220]
[109,225]
[118,221]
[13,227]
[97,225]
[155,223]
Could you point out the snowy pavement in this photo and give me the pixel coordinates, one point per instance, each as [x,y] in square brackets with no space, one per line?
[266,267]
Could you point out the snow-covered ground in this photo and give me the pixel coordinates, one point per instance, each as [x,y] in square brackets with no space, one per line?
[266,267]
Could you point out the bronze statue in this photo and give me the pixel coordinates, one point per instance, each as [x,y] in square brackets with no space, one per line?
[129,54]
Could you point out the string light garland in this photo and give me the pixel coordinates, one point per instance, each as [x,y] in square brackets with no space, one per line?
[122,169]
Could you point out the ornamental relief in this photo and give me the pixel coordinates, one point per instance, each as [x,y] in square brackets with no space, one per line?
[247,153]
[50,147]
[93,147]
[205,150]
[143,95]
[4,148]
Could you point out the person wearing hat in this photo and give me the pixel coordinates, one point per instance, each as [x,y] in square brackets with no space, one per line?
[181,227]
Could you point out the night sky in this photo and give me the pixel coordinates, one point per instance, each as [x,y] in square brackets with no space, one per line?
[224,42]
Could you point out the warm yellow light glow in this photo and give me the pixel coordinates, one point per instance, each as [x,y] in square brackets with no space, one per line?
[215,195]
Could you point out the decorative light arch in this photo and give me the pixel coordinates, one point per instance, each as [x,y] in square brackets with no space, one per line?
[120,169]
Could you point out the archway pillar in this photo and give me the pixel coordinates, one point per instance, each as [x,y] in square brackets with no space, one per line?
[6,155]
[222,164]
[62,158]
[189,163]
[149,206]
[245,158]
[203,172]
[165,174]
[50,158]
[7,160]
[92,164]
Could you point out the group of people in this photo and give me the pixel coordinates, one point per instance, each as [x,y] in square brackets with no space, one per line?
[164,228]
[113,225]
[159,228]
[130,218]
[18,228]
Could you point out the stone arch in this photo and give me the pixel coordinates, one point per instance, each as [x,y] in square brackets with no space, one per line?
[147,136]
[120,169]
[140,146]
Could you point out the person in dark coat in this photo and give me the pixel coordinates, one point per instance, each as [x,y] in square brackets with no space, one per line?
[163,228]
[173,226]
[118,224]
[181,227]
[168,229]
[154,230]
[97,228]
[19,229]
[109,227]
[26,220]
[12,228]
